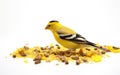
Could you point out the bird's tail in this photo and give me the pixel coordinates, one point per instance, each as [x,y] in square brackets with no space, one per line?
[95,45]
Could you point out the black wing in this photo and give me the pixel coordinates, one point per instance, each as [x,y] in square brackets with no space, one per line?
[77,38]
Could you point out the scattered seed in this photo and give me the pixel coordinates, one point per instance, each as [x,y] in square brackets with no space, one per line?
[85,60]
[81,52]
[100,46]
[22,53]
[46,54]
[95,48]
[51,47]
[68,53]
[61,53]
[37,58]
[37,51]
[88,49]
[47,48]
[54,53]
[37,61]
[66,62]
[26,48]
[14,56]
[103,52]
[42,48]
[58,47]
[75,57]
[63,59]
[78,62]
[42,53]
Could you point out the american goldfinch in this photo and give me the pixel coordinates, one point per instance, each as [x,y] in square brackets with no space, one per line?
[68,37]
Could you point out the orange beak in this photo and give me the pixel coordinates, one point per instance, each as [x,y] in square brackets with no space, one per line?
[46,27]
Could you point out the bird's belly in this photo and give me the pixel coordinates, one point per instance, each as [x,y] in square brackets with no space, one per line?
[70,45]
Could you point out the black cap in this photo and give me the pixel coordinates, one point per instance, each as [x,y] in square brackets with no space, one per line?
[53,21]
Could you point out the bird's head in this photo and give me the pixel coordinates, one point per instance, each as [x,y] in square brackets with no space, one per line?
[53,25]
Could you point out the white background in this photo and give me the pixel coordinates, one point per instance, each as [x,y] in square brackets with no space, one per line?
[23,22]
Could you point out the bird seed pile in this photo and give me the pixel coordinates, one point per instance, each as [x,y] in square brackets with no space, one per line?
[61,54]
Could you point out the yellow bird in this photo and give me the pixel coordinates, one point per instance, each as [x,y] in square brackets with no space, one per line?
[68,37]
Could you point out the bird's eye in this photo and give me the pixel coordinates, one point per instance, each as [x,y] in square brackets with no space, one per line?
[49,25]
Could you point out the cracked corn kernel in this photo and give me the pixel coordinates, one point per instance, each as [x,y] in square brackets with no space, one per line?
[61,54]
[96,58]
[25,60]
